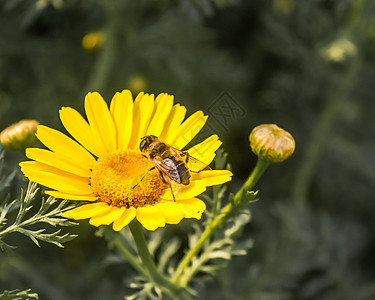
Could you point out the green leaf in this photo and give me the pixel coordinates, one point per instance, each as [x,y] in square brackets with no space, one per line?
[48,213]
[18,295]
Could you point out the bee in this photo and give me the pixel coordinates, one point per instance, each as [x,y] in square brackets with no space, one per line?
[169,162]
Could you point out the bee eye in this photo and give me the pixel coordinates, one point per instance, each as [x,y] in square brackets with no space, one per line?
[146,141]
[142,145]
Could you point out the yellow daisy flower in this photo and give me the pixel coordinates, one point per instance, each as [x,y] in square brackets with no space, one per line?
[104,162]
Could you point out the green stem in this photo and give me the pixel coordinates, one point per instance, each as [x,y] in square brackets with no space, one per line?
[258,171]
[148,261]
[340,90]
[177,276]
[341,86]
[255,175]
[106,57]
[8,230]
[144,253]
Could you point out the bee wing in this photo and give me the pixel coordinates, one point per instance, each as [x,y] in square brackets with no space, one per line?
[193,164]
[196,165]
[169,168]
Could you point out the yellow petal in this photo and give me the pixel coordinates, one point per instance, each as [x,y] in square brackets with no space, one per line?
[188,130]
[61,195]
[101,121]
[213,177]
[107,217]
[64,146]
[38,167]
[122,113]
[205,151]
[55,178]
[150,217]
[143,109]
[174,120]
[87,210]
[172,211]
[194,188]
[56,160]
[81,131]
[124,219]
[193,208]
[163,106]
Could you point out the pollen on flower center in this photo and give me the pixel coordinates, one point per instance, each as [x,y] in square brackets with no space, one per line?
[115,175]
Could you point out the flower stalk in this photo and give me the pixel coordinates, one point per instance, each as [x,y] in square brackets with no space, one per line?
[271,144]
[144,253]
[258,171]
[148,261]
[181,277]
[106,57]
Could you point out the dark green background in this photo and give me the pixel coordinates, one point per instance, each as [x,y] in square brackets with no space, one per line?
[313,228]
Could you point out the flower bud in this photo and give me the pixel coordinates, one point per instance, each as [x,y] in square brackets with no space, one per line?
[93,41]
[19,136]
[339,50]
[271,143]
[137,84]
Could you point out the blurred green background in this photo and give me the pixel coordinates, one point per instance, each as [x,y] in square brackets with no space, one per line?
[307,66]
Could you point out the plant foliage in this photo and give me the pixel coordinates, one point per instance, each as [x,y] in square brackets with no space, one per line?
[48,213]
[18,295]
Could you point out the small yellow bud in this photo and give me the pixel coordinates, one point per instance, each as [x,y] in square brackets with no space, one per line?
[19,136]
[93,40]
[137,84]
[339,50]
[271,143]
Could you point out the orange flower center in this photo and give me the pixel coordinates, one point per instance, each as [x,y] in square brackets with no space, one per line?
[117,180]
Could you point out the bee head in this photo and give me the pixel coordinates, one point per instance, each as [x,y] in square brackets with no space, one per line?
[146,141]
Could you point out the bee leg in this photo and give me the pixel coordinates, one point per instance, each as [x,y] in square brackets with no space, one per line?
[161,175]
[185,153]
[170,186]
[142,178]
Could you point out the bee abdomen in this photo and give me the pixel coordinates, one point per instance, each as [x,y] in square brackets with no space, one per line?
[184,174]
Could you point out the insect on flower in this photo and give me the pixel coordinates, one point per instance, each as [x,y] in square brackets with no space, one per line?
[101,161]
[169,162]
